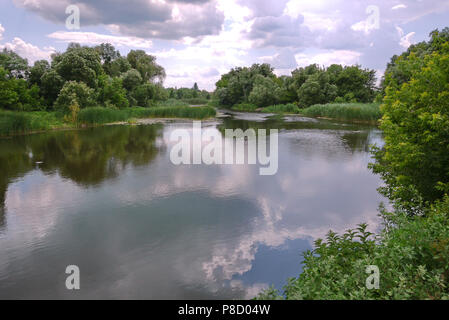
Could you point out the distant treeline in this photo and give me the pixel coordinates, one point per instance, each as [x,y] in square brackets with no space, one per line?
[259,86]
[84,77]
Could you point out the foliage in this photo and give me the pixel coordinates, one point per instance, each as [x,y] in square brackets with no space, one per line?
[146,65]
[16,95]
[306,86]
[414,162]
[264,91]
[111,93]
[74,92]
[412,257]
[81,64]
[398,73]
[14,65]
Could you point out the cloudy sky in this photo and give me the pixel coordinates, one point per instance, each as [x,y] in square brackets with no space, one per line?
[197,40]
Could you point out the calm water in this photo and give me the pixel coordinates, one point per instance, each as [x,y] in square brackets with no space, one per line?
[109,201]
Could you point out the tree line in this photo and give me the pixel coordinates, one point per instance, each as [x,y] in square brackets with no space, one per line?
[85,76]
[259,86]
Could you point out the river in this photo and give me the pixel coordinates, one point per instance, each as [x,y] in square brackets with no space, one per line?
[110,201]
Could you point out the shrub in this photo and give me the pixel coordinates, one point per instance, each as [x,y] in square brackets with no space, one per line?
[412,257]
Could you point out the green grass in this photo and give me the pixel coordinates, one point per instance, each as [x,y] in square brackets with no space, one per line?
[282,108]
[12,122]
[245,107]
[171,103]
[345,111]
[100,115]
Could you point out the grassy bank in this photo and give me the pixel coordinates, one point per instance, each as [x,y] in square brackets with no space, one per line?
[369,112]
[24,122]
[356,112]
[21,122]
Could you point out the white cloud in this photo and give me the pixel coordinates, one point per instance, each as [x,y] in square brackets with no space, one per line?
[399,6]
[92,38]
[405,40]
[28,51]
[1,31]
[344,57]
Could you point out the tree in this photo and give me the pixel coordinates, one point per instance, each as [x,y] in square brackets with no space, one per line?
[51,85]
[37,71]
[79,64]
[131,79]
[146,65]
[118,67]
[108,55]
[14,65]
[317,90]
[16,95]
[414,162]
[112,93]
[73,92]
[264,92]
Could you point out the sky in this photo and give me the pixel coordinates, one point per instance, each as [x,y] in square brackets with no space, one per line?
[198,40]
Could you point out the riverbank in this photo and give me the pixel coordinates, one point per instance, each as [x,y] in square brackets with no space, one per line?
[16,123]
[363,113]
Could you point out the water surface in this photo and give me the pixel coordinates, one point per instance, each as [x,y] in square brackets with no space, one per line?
[110,201]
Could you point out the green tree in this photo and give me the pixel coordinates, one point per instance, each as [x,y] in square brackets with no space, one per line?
[414,162]
[146,65]
[72,92]
[51,85]
[14,65]
[79,64]
[264,92]
[37,71]
[131,79]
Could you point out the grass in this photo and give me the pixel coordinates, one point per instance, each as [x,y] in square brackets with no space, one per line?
[245,107]
[369,112]
[172,103]
[13,122]
[100,115]
[282,108]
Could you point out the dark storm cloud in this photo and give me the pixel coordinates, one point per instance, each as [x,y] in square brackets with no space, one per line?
[141,18]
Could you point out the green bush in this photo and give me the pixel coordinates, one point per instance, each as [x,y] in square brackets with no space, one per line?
[412,257]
